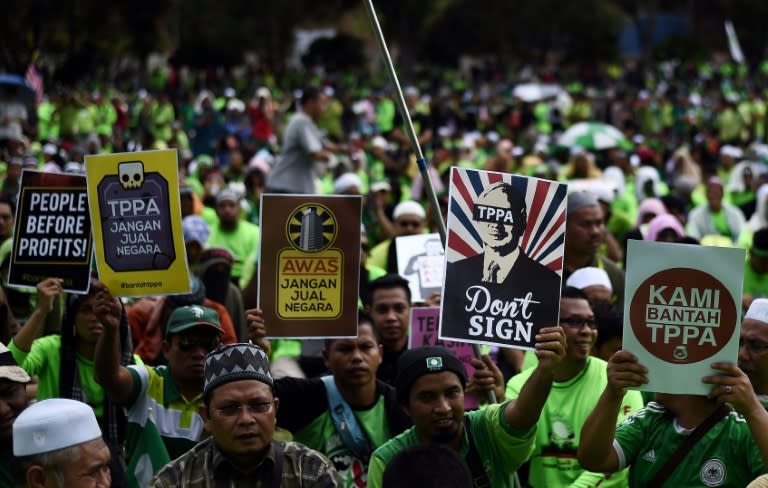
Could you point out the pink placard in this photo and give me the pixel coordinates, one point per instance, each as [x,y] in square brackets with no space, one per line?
[424,332]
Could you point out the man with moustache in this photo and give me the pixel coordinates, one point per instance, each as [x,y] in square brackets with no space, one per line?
[502,271]
[239,410]
[584,234]
[578,382]
[172,393]
[753,347]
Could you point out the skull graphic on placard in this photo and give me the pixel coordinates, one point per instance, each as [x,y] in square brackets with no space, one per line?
[131,174]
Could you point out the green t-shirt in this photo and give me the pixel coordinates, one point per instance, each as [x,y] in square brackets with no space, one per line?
[321,435]
[720,221]
[726,456]
[502,448]
[43,360]
[755,284]
[242,242]
[553,462]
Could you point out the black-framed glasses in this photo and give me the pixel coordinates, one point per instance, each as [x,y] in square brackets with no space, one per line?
[209,344]
[13,392]
[254,408]
[578,322]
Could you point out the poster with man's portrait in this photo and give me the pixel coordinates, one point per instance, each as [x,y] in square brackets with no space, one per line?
[504,258]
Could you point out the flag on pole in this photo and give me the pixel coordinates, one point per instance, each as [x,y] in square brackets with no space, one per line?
[733,43]
[34,79]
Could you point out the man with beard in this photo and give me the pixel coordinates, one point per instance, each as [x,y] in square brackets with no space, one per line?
[753,347]
[13,400]
[494,440]
[502,270]
[173,393]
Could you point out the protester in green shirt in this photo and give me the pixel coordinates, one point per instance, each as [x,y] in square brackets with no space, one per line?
[64,364]
[494,440]
[731,454]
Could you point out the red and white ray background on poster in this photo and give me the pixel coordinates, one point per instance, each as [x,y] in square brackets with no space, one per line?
[546,202]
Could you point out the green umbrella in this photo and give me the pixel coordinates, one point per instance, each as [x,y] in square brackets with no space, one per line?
[594,136]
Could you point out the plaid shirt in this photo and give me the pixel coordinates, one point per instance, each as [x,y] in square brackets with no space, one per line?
[205,466]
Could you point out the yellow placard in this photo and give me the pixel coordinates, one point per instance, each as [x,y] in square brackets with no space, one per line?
[136,215]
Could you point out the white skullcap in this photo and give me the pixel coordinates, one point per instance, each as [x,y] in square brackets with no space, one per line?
[731,151]
[758,310]
[590,276]
[50,149]
[53,424]
[409,207]
[346,182]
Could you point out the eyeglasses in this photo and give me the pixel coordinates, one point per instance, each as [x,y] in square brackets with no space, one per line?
[255,408]
[414,224]
[753,347]
[189,343]
[383,308]
[578,323]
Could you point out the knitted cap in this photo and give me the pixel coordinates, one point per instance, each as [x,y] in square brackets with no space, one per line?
[415,363]
[236,362]
[580,199]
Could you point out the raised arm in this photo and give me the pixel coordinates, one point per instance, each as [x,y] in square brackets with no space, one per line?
[596,452]
[523,413]
[48,291]
[257,329]
[734,387]
[110,374]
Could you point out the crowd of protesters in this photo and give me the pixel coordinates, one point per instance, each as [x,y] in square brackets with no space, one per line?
[690,168]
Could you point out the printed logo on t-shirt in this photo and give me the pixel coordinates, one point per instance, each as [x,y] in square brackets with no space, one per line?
[713,473]
[650,456]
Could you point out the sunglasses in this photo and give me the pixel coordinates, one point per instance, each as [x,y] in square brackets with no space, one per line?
[189,343]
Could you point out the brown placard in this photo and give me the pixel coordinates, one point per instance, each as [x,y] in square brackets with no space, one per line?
[309,265]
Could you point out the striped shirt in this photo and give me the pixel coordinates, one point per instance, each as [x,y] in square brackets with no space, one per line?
[206,466]
[177,419]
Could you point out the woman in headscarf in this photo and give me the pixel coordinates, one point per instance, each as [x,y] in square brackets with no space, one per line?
[664,228]
[64,363]
[648,210]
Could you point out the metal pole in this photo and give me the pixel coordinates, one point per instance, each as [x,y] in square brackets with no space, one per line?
[423,165]
[400,100]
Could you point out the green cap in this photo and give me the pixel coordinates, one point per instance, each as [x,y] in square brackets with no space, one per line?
[190,316]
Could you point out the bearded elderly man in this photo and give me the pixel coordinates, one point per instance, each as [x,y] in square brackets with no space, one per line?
[239,410]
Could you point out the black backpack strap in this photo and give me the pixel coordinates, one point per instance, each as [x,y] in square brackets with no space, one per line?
[480,478]
[688,443]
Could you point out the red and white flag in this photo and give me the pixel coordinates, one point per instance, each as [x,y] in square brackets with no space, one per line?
[35,80]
